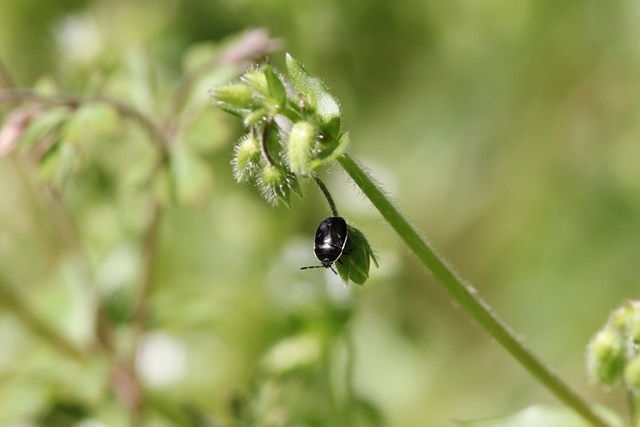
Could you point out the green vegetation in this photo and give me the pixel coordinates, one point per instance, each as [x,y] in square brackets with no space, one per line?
[142,285]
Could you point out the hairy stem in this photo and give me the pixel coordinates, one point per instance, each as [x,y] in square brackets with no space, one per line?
[327,195]
[465,295]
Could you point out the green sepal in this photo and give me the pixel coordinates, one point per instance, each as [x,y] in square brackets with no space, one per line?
[276,184]
[330,151]
[356,258]
[277,92]
[316,96]
[257,79]
[237,96]
[254,117]
[273,142]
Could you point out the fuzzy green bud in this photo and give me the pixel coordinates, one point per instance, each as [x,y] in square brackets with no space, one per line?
[606,356]
[300,146]
[633,327]
[257,80]
[235,95]
[247,158]
[632,375]
[620,317]
[632,320]
[276,184]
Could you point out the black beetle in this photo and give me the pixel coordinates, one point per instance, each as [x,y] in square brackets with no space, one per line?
[331,238]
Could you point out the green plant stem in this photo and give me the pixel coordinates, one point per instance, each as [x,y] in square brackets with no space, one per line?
[465,295]
[327,195]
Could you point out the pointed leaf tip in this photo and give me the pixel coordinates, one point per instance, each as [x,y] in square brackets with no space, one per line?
[317,96]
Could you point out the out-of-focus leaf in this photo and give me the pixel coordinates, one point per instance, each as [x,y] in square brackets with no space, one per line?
[191,176]
[208,133]
[544,415]
[43,123]
[56,167]
[96,120]
[15,126]
[293,353]
[141,82]
[199,55]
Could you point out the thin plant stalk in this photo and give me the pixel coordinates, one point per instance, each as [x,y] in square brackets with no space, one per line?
[327,195]
[465,295]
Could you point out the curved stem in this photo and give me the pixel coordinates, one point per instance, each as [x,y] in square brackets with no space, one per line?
[327,195]
[465,295]
[126,110]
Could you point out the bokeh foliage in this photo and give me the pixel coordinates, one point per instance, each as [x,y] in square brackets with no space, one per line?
[507,131]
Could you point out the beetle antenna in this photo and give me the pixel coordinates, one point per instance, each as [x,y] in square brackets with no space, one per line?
[327,195]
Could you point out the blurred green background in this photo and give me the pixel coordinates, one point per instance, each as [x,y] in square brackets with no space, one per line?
[507,131]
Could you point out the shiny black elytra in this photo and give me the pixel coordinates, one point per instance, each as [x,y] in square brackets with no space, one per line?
[331,238]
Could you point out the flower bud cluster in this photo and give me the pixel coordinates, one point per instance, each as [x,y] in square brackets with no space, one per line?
[292,128]
[614,352]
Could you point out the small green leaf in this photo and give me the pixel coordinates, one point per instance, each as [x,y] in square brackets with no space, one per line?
[256,79]
[331,151]
[276,88]
[317,97]
[356,258]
